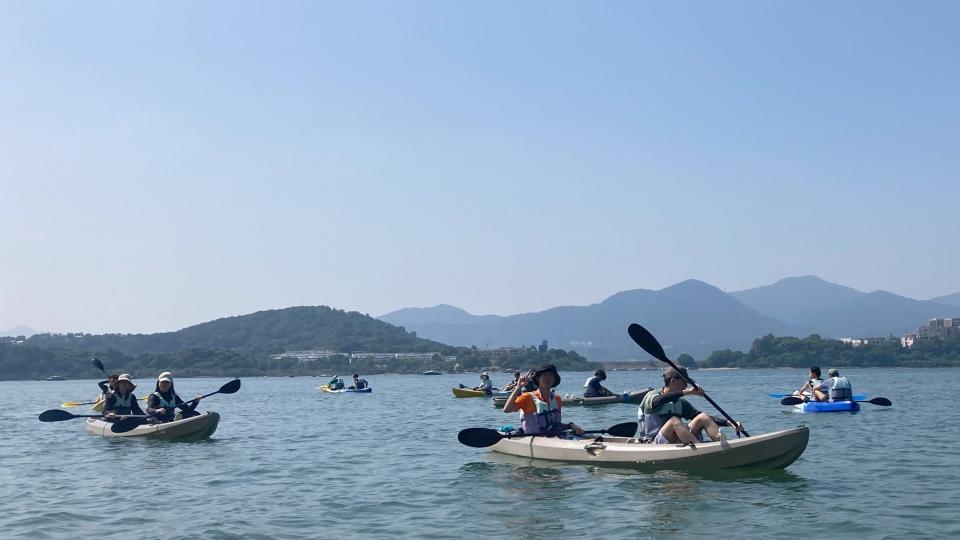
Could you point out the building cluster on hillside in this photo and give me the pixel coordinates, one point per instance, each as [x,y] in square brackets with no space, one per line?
[935,329]
[304,357]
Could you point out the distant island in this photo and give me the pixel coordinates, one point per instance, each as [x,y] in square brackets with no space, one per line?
[318,340]
[770,351]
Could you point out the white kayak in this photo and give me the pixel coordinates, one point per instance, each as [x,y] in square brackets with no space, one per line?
[767,451]
[194,428]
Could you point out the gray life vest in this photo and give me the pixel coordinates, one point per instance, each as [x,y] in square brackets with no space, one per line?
[652,419]
[161,402]
[841,389]
[120,405]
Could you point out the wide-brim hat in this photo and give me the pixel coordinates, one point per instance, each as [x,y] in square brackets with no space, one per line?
[125,377]
[545,368]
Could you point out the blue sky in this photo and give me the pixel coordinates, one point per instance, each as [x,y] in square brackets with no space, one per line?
[167,163]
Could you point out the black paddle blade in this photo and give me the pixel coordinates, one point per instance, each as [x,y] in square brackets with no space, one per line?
[99,365]
[231,387]
[881,401]
[125,425]
[479,437]
[626,429]
[791,400]
[647,342]
[56,415]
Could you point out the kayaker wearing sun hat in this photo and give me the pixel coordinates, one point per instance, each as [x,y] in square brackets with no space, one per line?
[663,410]
[164,401]
[541,407]
[121,401]
[486,385]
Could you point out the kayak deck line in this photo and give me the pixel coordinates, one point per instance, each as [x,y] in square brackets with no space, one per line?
[775,450]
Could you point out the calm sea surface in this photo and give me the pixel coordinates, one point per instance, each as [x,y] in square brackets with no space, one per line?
[291,462]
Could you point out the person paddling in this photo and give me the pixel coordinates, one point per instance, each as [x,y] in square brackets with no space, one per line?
[336,383]
[663,410]
[358,383]
[593,388]
[836,388]
[164,401]
[541,407]
[121,401]
[106,386]
[814,380]
[486,386]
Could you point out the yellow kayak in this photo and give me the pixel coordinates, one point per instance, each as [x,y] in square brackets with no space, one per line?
[469,392]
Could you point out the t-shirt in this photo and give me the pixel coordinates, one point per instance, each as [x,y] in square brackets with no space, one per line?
[525,403]
[594,384]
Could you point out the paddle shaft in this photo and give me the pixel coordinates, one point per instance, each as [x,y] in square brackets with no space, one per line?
[705,396]
[663,356]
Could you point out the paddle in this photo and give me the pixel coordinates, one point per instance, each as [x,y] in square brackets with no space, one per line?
[647,342]
[483,437]
[99,365]
[56,415]
[130,424]
[796,400]
[779,395]
[68,404]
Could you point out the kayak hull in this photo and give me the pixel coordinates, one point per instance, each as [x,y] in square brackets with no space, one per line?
[469,392]
[629,397]
[326,389]
[189,429]
[769,451]
[827,406]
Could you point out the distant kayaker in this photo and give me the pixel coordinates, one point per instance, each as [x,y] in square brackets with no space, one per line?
[336,383]
[593,388]
[486,386]
[814,380]
[663,410]
[836,388]
[164,401]
[107,386]
[358,383]
[530,386]
[121,401]
[541,407]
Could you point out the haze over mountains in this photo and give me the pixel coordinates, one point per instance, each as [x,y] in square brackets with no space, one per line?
[691,316]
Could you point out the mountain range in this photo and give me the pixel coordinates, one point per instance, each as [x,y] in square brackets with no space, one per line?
[18,331]
[689,317]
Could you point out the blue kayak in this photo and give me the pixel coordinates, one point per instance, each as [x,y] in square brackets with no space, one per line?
[828,406]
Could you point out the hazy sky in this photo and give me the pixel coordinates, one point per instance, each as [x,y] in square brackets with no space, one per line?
[167,163]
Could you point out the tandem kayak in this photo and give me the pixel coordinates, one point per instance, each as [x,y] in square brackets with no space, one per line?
[326,388]
[769,451]
[575,401]
[827,406]
[188,429]
[469,392]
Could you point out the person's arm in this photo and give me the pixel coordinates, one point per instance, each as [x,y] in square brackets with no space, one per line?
[104,387]
[510,405]
[188,406]
[153,405]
